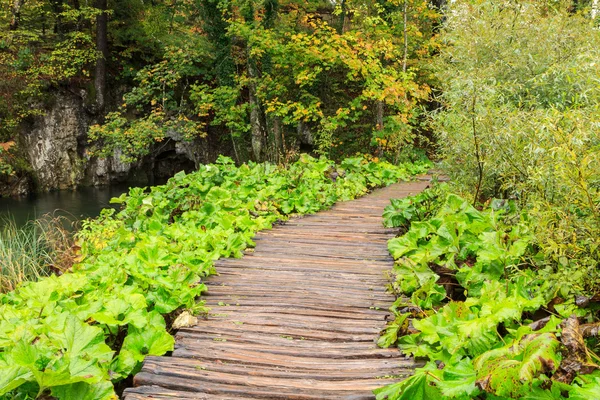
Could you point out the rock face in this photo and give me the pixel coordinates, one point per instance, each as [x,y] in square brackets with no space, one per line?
[56,143]
[56,147]
[14,186]
[52,143]
[103,171]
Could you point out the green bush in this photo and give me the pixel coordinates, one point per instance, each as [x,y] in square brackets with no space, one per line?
[493,289]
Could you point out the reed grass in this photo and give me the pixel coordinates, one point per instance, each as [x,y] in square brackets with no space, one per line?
[39,248]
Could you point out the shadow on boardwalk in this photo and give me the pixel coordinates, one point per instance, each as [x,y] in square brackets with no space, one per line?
[297,318]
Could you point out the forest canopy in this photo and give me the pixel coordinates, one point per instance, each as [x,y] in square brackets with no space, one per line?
[344,77]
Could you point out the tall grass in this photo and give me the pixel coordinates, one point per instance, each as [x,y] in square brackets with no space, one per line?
[37,249]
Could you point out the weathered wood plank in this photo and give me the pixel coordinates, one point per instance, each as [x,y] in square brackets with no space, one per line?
[331,352]
[243,300]
[159,364]
[250,337]
[282,309]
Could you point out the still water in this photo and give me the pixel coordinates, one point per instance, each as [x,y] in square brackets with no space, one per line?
[73,204]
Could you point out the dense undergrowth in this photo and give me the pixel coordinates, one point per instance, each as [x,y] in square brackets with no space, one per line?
[478,300]
[499,276]
[73,336]
[38,249]
[520,119]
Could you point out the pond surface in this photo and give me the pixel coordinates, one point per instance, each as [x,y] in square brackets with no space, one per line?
[73,204]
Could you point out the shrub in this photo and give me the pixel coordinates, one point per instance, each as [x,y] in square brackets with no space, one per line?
[520,117]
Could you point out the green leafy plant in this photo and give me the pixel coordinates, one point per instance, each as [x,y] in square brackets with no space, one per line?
[93,326]
[519,120]
[401,212]
[498,286]
[470,285]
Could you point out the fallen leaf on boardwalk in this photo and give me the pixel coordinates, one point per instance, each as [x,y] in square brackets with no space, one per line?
[184,320]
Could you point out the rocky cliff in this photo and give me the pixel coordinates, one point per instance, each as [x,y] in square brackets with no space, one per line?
[56,147]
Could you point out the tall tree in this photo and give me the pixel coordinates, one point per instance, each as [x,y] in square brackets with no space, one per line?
[270,71]
[16,14]
[102,57]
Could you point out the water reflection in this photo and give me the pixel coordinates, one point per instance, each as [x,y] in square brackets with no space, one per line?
[73,204]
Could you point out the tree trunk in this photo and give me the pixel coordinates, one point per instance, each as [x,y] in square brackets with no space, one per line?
[101,61]
[16,15]
[57,9]
[342,21]
[379,115]
[277,139]
[405,36]
[79,23]
[256,126]
[595,9]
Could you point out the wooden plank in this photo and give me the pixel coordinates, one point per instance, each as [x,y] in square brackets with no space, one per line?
[159,393]
[249,289]
[266,392]
[310,304]
[259,275]
[299,321]
[200,375]
[332,353]
[161,364]
[246,357]
[266,298]
[365,268]
[278,234]
[258,338]
[282,309]
[290,331]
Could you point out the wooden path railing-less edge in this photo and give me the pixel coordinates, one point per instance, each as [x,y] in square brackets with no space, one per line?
[297,318]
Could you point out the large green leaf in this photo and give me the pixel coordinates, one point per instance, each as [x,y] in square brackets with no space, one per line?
[151,341]
[506,371]
[458,380]
[587,391]
[217,195]
[84,391]
[417,387]
[13,376]
[82,340]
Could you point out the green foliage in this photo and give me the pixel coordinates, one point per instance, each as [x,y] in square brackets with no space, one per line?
[48,48]
[520,120]
[502,371]
[416,387]
[78,332]
[161,96]
[470,280]
[5,165]
[419,207]
[290,65]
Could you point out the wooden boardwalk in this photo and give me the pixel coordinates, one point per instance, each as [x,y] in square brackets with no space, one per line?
[297,318]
